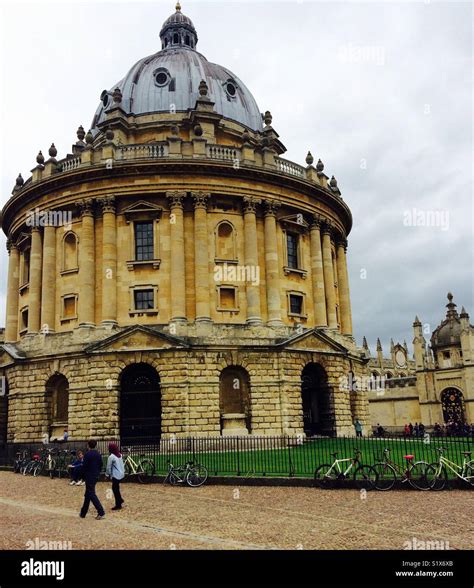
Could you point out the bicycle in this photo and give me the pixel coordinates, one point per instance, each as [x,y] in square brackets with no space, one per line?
[21,460]
[192,474]
[418,474]
[143,469]
[364,476]
[45,462]
[464,472]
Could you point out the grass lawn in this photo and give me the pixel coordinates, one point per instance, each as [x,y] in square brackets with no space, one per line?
[302,459]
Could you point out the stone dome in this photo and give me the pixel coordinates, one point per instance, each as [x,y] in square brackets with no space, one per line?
[168,81]
[449,331]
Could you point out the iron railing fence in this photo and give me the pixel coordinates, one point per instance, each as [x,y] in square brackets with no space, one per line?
[263,456]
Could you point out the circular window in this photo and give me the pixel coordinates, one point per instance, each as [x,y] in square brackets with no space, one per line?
[105,98]
[231,89]
[162,78]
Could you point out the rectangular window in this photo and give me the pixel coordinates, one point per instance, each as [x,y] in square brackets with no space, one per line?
[227,299]
[24,319]
[69,310]
[26,266]
[144,250]
[144,299]
[292,250]
[296,304]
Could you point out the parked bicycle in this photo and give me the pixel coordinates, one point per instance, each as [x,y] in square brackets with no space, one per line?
[364,476]
[418,475]
[144,469]
[440,469]
[193,474]
[46,463]
[22,458]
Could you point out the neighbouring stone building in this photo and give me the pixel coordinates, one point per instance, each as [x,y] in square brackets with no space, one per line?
[174,275]
[436,386]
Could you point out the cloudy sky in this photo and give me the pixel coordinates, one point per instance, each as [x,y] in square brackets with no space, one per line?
[380,91]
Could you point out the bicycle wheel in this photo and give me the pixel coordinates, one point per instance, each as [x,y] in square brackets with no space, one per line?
[439,477]
[51,467]
[386,476]
[146,469]
[421,475]
[197,476]
[365,477]
[325,477]
[470,473]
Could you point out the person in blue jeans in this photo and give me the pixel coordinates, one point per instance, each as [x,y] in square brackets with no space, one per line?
[75,469]
[115,471]
[91,468]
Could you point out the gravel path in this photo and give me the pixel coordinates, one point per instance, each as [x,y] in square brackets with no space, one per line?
[228,517]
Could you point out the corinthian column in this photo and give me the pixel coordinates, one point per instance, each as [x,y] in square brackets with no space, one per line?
[319,293]
[109,262]
[254,316]
[34,304]
[48,293]
[201,257]
[329,278]
[178,282]
[11,324]
[86,301]
[343,281]
[272,269]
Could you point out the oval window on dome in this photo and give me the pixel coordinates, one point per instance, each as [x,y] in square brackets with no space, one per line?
[231,88]
[162,77]
[105,98]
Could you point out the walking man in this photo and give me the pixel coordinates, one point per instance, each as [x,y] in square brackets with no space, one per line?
[91,468]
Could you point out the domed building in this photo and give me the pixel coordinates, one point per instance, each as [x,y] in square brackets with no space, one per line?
[174,275]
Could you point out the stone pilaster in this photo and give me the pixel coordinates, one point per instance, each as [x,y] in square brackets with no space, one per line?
[254,313]
[178,302]
[317,273]
[48,292]
[201,257]
[343,281]
[109,262]
[86,301]
[272,269]
[11,324]
[34,300]
[329,278]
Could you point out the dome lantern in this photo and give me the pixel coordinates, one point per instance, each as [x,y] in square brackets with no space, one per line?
[178,31]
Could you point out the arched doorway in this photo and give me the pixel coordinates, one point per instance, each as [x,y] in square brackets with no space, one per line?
[234,401]
[318,410]
[140,403]
[57,396]
[452,402]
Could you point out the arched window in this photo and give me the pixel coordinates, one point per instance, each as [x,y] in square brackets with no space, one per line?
[234,400]
[58,392]
[70,252]
[186,40]
[176,38]
[225,242]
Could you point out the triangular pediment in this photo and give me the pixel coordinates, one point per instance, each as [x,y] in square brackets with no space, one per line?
[314,340]
[137,338]
[9,354]
[142,207]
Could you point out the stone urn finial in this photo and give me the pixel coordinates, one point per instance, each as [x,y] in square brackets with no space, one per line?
[81,133]
[109,134]
[18,183]
[117,96]
[320,166]
[89,138]
[40,158]
[198,130]
[309,158]
[53,151]
[268,118]
[333,182]
[203,88]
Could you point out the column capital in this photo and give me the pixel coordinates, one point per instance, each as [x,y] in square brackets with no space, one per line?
[271,207]
[35,229]
[86,207]
[11,245]
[250,204]
[316,221]
[107,204]
[200,199]
[341,241]
[327,228]
[176,199]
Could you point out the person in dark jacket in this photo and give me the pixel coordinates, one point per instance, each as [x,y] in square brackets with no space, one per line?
[91,468]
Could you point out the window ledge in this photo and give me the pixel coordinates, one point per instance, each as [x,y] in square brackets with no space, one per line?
[292,270]
[154,262]
[74,270]
[68,319]
[24,287]
[300,316]
[232,310]
[228,261]
[152,312]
